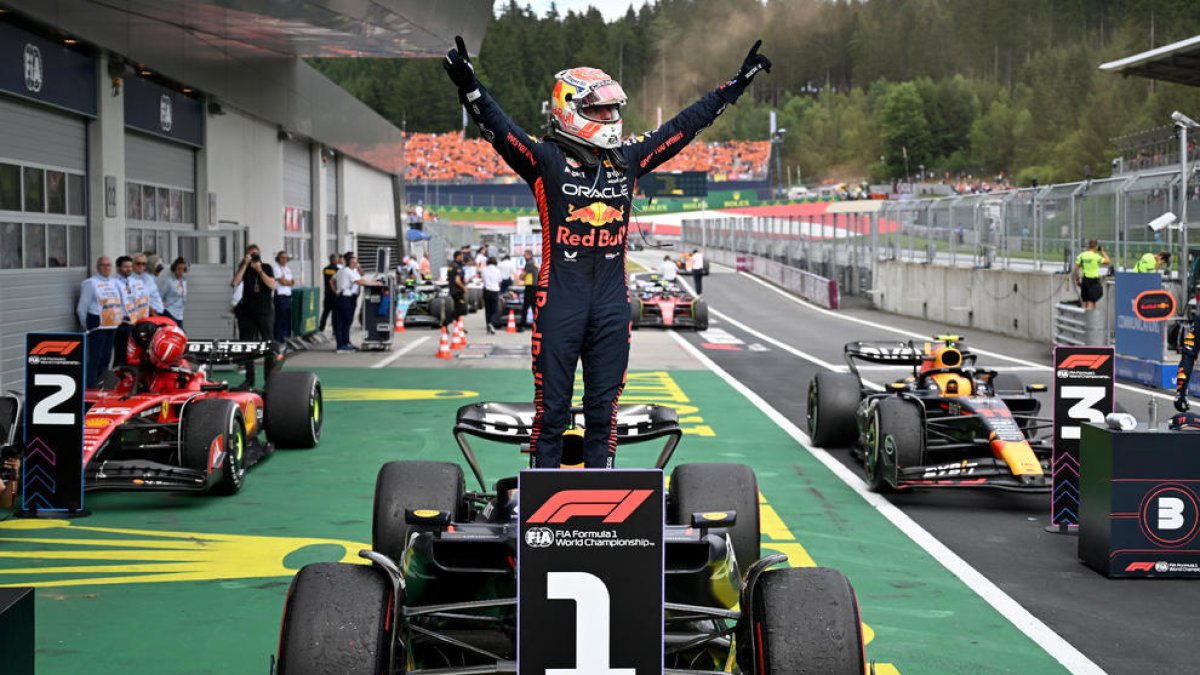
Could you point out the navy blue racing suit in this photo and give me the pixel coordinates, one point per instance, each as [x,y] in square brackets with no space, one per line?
[584,196]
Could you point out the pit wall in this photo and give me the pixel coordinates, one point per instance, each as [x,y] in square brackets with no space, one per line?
[1019,303]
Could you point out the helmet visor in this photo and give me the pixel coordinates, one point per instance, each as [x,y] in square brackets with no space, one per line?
[607,93]
[610,112]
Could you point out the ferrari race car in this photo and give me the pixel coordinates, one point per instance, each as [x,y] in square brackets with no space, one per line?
[427,304]
[948,424]
[153,429]
[654,302]
[441,596]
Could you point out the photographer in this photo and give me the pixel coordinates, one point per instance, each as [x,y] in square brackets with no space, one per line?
[1087,274]
[256,311]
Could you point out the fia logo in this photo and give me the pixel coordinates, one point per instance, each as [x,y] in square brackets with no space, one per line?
[164,113]
[539,537]
[33,68]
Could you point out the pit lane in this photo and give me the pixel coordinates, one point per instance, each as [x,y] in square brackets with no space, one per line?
[776,344]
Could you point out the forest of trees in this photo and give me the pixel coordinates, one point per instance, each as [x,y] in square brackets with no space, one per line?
[965,86]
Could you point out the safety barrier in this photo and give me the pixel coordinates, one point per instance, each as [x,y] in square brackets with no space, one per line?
[812,287]
[1074,325]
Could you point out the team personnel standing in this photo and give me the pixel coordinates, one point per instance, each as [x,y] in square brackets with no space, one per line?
[582,176]
[1153,262]
[133,301]
[508,270]
[698,270]
[529,276]
[329,291]
[284,281]
[1087,274]
[456,276]
[173,290]
[348,281]
[255,311]
[667,269]
[100,310]
[147,275]
[491,293]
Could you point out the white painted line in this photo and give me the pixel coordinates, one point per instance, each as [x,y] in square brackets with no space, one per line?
[900,331]
[1045,637]
[401,352]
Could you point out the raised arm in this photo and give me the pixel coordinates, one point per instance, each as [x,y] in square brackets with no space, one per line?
[647,152]
[515,146]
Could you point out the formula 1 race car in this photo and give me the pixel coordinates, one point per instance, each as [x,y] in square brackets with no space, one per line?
[428,304]
[511,300]
[654,302]
[176,429]
[948,424]
[441,596]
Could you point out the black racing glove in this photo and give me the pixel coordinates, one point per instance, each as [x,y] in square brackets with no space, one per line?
[1181,401]
[755,62]
[458,67]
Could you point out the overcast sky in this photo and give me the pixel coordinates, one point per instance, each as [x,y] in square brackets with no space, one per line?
[611,9]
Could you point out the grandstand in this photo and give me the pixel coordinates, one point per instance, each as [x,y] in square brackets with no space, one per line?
[450,158]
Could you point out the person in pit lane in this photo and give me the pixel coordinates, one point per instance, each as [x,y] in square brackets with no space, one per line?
[156,350]
[582,174]
[1187,360]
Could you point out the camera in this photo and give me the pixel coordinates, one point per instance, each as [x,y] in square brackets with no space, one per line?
[1162,222]
[255,257]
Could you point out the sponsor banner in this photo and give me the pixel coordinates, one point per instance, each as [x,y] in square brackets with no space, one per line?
[1083,392]
[1137,337]
[1154,305]
[590,572]
[163,111]
[52,468]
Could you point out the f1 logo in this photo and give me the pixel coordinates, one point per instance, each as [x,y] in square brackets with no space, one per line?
[1170,513]
[1089,361]
[61,347]
[1139,567]
[614,505]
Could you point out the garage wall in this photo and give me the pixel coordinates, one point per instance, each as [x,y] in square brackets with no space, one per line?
[33,301]
[245,172]
[368,201]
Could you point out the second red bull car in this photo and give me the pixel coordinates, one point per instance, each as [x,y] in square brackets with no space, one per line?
[657,302]
[948,424]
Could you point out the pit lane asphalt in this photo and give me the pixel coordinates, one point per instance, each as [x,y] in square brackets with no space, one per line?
[1124,626]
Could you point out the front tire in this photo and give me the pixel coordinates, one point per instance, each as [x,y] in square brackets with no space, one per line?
[895,437]
[411,485]
[807,622]
[336,620]
[216,421]
[833,400]
[700,314]
[698,488]
[293,410]
[635,313]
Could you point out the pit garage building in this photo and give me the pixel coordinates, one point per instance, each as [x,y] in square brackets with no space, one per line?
[192,128]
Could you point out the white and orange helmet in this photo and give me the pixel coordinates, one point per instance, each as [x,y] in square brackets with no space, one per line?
[586,105]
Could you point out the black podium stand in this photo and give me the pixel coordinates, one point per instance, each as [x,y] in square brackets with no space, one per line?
[1140,502]
[16,631]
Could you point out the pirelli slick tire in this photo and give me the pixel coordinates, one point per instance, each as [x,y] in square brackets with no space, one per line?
[474,299]
[401,486]
[833,400]
[635,313]
[215,425]
[700,314]
[336,620]
[293,409]
[441,308]
[699,488]
[807,622]
[895,437]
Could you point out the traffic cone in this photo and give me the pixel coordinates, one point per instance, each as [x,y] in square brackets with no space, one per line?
[462,333]
[456,341]
[399,322]
[443,351]
[512,322]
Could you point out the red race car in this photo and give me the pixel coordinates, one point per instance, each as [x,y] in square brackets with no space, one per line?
[167,426]
[655,302]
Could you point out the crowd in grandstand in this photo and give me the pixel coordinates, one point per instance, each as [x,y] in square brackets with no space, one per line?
[451,157]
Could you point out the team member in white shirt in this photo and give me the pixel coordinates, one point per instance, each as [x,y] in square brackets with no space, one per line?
[491,293]
[135,303]
[508,272]
[284,281]
[348,282]
[100,310]
[141,269]
[697,262]
[667,269]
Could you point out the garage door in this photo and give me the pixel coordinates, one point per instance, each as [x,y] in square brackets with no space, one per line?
[43,227]
[297,209]
[160,193]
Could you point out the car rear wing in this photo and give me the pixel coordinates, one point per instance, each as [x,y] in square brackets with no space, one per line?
[230,351]
[513,423]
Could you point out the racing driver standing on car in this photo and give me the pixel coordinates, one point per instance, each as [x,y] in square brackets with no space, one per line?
[582,176]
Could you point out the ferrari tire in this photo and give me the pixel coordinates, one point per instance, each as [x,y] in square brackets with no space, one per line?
[806,622]
[336,620]
[635,313]
[895,436]
[411,485]
[833,400]
[700,314]
[699,488]
[218,421]
[293,409]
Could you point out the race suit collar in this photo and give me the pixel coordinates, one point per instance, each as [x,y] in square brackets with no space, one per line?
[584,154]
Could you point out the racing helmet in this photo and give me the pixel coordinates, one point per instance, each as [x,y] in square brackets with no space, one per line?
[167,347]
[586,105]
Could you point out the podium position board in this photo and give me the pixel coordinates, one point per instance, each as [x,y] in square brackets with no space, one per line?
[1140,502]
[1083,392]
[590,572]
[52,467]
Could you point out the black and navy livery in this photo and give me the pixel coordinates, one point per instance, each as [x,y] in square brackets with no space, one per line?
[584,196]
[1187,360]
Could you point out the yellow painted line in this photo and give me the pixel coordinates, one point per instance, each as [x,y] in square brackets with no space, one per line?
[360,394]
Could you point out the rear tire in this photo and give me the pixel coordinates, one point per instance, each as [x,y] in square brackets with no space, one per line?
[700,314]
[698,488]
[411,485]
[635,313]
[206,421]
[833,400]
[895,437]
[293,410]
[439,308]
[335,620]
[807,622]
